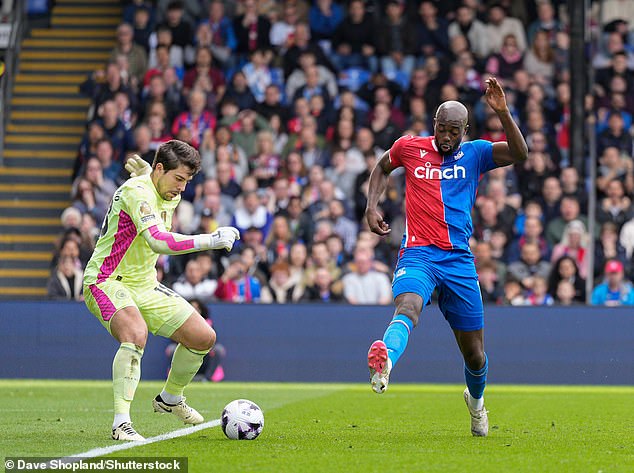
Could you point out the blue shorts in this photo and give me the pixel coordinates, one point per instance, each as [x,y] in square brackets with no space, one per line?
[421,269]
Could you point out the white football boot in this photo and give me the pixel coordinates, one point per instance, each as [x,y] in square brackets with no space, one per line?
[380,366]
[187,414]
[479,418]
[125,431]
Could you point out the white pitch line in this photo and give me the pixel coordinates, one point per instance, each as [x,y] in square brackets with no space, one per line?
[98,452]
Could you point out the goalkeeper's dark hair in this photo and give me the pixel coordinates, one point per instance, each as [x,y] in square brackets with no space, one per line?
[173,153]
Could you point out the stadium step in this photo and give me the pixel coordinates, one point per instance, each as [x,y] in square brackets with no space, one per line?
[70,45]
[76,116]
[75,33]
[22,292]
[87,10]
[59,66]
[47,120]
[63,55]
[34,129]
[108,22]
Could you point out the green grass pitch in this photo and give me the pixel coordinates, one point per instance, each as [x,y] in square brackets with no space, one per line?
[340,427]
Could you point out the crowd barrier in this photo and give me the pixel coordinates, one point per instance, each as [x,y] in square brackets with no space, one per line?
[328,343]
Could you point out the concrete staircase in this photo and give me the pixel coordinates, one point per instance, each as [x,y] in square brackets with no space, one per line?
[48,118]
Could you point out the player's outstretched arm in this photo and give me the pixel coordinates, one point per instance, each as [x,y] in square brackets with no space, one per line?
[170,243]
[514,150]
[376,188]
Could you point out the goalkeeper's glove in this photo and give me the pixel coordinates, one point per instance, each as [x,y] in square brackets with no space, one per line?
[223,237]
[137,166]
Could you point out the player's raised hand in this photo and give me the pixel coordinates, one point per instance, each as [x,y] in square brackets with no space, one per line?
[376,222]
[137,166]
[495,95]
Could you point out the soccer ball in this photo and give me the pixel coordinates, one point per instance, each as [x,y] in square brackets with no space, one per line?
[242,420]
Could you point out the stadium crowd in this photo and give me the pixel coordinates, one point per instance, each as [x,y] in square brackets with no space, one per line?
[290,104]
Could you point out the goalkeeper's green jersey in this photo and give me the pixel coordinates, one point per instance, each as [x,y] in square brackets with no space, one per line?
[121,252]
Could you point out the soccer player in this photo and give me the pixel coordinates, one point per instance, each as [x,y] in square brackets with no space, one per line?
[121,289]
[441,176]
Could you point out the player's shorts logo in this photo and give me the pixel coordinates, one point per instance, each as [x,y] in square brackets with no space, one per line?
[429,172]
[400,273]
[121,294]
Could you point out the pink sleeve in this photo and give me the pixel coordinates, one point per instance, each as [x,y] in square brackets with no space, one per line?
[168,238]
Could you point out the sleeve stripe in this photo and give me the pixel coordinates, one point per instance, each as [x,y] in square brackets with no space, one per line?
[168,238]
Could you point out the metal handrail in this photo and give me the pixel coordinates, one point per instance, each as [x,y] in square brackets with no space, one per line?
[11,62]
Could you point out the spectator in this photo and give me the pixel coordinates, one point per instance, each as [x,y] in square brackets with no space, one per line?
[323,289]
[433,31]
[182,34]
[236,285]
[500,26]
[614,165]
[508,60]
[66,282]
[565,294]
[529,266]
[299,220]
[615,290]
[565,269]
[363,285]
[533,233]
[69,247]
[297,260]
[194,283]
[102,86]
[616,207]
[513,293]
[488,282]
[134,53]
[469,26]
[397,45]
[121,138]
[251,213]
[203,75]
[569,209]
[324,17]
[197,119]
[607,247]
[574,243]
[279,240]
[222,37]
[282,33]
[92,191]
[88,145]
[303,51]
[353,42]
[252,29]
[486,220]
[545,22]
[538,295]
[280,287]
[539,60]
[615,135]
[265,164]
[570,186]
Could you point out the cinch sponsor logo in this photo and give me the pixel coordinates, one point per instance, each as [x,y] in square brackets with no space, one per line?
[429,172]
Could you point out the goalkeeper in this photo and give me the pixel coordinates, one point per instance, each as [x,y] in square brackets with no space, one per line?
[122,291]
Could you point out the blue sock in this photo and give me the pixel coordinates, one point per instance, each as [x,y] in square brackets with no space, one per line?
[477,380]
[396,336]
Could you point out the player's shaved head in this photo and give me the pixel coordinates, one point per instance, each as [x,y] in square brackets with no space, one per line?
[450,125]
[452,111]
